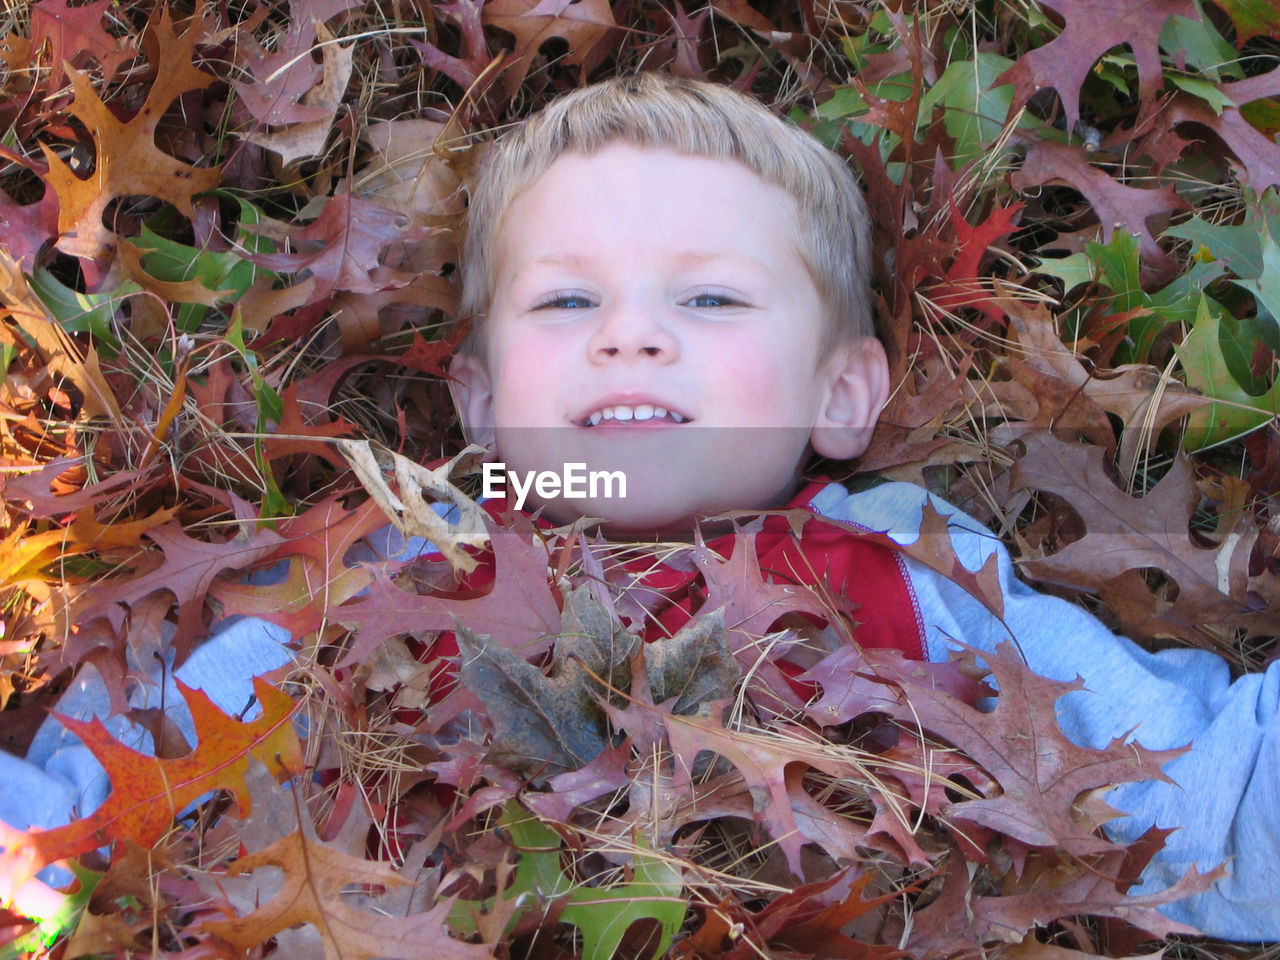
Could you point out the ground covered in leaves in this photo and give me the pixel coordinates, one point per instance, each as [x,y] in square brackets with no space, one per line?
[228,239]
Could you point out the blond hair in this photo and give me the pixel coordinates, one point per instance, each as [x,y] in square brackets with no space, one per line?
[700,119]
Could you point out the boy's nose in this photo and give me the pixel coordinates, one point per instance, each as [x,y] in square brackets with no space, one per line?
[627,333]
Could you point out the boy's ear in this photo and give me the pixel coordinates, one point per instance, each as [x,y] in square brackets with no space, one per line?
[857,388]
[472,393]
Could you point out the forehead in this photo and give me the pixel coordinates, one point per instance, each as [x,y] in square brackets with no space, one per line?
[633,202]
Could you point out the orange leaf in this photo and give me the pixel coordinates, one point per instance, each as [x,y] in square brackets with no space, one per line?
[149,792]
[128,160]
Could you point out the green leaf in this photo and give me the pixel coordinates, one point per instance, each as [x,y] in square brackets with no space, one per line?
[1263,113]
[1201,46]
[655,891]
[227,272]
[1072,270]
[1239,247]
[90,313]
[1117,268]
[973,110]
[601,914]
[1265,283]
[1235,411]
[1206,90]
[270,409]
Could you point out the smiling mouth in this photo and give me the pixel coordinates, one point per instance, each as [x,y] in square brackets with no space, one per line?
[638,413]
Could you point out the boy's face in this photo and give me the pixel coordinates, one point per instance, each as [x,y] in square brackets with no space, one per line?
[651,314]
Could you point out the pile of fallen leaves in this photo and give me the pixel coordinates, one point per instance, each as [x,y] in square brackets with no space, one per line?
[228,239]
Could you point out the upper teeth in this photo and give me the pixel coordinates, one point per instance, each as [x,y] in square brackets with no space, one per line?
[642,411]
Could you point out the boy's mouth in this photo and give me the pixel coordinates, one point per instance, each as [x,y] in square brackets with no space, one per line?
[632,413]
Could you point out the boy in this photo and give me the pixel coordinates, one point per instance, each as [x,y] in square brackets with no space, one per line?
[669,282]
[654,244]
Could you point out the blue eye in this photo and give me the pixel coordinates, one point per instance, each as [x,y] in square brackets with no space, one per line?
[712,299]
[564,301]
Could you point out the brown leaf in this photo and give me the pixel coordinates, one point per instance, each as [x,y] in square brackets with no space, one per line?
[316,875]
[585,24]
[963,917]
[304,127]
[1070,397]
[519,612]
[316,544]
[1258,154]
[59,351]
[806,921]
[693,666]
[762,758]
[128,162]
[75,35]
[409,508]
[340,247]
[24,228]
[284,73]
[1127,534]
[1038,773]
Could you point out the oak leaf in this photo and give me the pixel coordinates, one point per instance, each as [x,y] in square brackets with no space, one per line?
[24,228]
[283,71]
[340,248]
[1092,28]
[762,758]
[806,921]
[1117,206]
[316,875]
[1258,154]
[518,611]
[408,507]
[75,35]
[962,917]
[316,545]
[464,70]
[585,24]
[305,127]
[1036,773]
[149,792]
[1125,534]
[1068,396]
[186,567]
[128,162]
